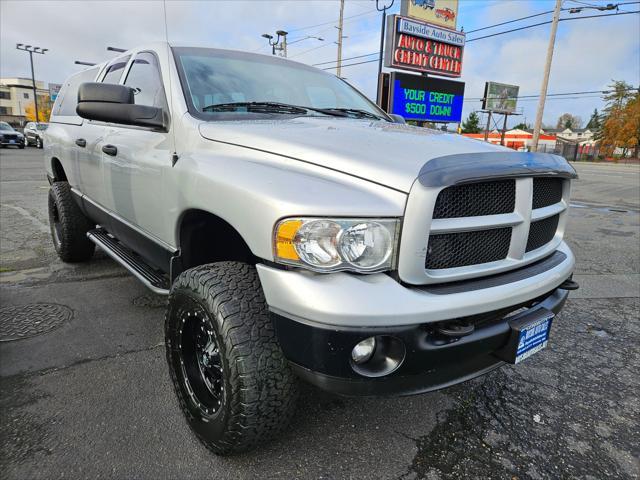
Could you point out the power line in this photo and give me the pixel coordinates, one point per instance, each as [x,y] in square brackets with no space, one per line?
[549,21]
[511,21]
[492,35]
[350,58]
[566,93]
[331,22]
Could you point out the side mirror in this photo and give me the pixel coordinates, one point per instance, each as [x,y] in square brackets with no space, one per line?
[397,118]
[111,103]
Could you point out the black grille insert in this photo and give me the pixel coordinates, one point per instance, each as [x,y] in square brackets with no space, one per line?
[475,199]
[542,232]
[450,250]
[546,191]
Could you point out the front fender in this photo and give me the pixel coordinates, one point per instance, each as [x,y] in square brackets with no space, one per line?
[252,190]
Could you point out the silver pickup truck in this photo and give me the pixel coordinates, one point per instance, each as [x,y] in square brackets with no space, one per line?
[302,233]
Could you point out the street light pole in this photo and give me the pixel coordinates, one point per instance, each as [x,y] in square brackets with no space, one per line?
[278,44]
[382,29]
[545,78]
[32,50]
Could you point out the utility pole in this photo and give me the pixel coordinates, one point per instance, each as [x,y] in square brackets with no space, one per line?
[382,28]
[32,50]
[340,24]
[283,43]
[545,78]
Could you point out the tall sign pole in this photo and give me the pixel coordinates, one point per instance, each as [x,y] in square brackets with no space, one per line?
[545,78]
[382,28]
[340,37]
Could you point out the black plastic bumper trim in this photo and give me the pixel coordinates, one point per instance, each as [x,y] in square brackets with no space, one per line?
[321,355]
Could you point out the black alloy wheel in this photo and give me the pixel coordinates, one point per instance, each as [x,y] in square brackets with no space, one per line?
[199,356]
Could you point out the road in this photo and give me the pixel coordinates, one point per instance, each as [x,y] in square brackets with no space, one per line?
[91,397]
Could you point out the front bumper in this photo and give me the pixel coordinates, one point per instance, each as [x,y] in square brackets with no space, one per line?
[348,300]
[321,355]
[319,318]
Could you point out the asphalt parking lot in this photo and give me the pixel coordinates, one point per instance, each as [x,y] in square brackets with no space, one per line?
[91,397]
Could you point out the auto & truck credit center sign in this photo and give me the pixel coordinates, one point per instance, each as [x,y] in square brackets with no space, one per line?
[416,97]
[421,47]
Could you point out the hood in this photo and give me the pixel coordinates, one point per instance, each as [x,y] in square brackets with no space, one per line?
[386,153]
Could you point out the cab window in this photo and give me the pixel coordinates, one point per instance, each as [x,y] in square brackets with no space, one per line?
[115,69]
[144,77]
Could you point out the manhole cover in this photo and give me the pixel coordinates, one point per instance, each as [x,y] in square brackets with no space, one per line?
[25,321]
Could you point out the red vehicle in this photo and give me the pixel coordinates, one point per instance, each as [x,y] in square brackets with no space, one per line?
[445,13]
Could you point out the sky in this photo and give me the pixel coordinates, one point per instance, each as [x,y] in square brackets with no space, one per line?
[589,53]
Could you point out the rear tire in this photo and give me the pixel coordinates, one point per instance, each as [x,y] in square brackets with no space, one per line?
[68,225]
[233,383]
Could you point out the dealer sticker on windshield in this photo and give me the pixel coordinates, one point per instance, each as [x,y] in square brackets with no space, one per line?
[533,338]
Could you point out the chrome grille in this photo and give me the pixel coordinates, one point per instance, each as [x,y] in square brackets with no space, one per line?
[485,227]
[475,199]
[451,250]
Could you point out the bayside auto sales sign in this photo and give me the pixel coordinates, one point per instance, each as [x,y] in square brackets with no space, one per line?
[422,47]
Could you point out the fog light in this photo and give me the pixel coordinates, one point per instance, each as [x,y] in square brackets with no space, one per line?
[364,350]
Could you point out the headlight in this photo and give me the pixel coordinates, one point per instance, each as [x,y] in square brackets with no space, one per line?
[332,244]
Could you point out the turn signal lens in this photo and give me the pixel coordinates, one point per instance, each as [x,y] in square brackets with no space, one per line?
[285,235]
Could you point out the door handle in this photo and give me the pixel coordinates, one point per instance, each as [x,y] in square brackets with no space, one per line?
[81,142]
[110,150]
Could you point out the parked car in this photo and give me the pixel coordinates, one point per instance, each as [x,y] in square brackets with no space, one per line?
[300,233]
[33,133]
[10,137]
[426,4]
[446,14]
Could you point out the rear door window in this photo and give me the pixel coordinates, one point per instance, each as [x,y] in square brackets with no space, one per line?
[67,99]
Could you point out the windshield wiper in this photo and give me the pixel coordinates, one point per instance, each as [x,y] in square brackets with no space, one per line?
[355,112]
[285,108]
[256,107]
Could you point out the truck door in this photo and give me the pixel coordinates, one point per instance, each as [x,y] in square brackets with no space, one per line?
[136,159]
[89,142]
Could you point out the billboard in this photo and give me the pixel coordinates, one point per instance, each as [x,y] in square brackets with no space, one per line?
[416,97]
[54,89]
[500,97]
[438,12]
[420,47]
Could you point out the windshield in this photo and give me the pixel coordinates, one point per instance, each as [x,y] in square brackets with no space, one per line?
[5,126]
[42,126]
[223,85]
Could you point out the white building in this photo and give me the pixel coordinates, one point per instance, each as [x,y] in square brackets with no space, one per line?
[16,94]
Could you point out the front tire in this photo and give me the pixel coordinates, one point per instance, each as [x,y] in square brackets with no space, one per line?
[68,225]
[38,142]
[233,383]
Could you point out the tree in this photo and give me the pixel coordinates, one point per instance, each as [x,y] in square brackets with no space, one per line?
[620,92]
[471,124]
[522,126]
[44,111]
[594,122]
[621,127]
[566,120]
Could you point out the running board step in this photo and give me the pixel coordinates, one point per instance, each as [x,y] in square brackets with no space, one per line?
[152,279]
